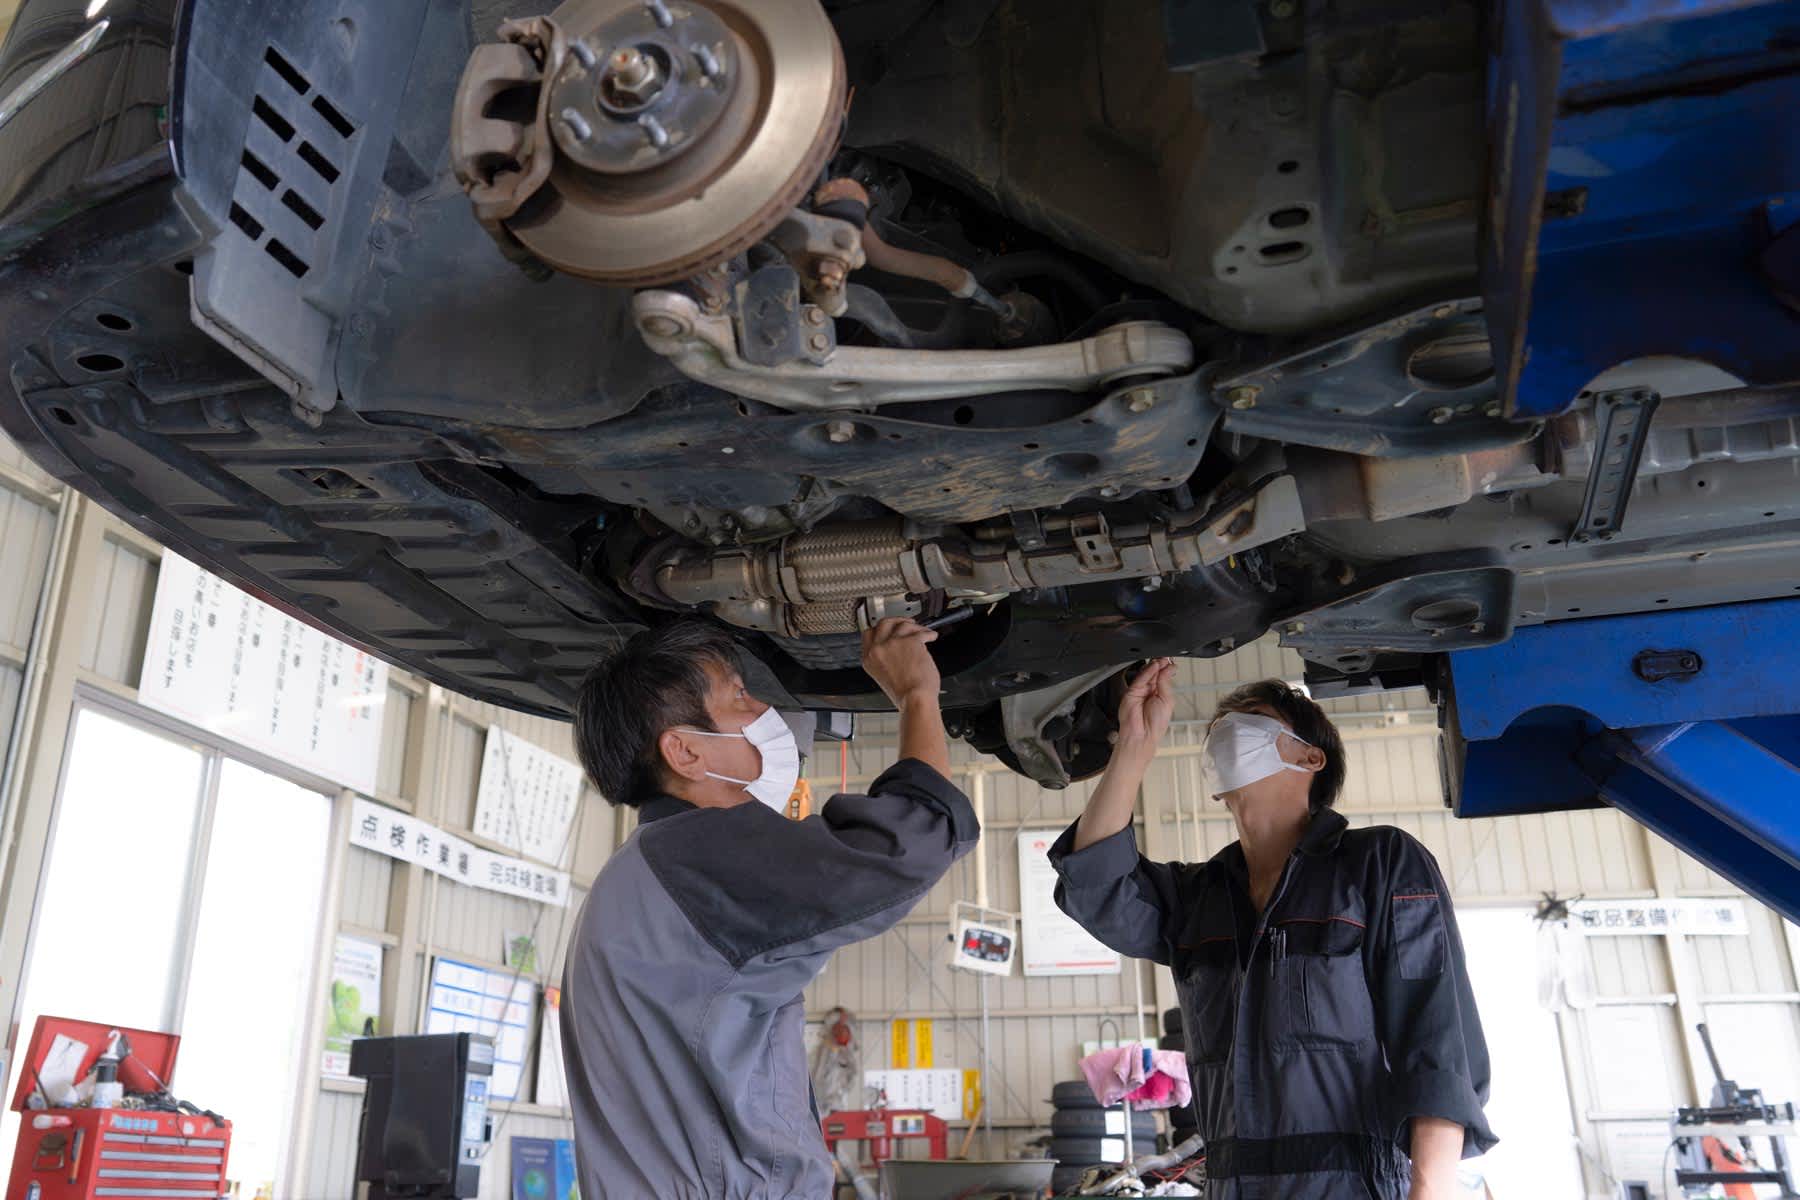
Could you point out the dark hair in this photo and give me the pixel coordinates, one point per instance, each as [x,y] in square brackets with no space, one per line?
[1309,723]
[656,680]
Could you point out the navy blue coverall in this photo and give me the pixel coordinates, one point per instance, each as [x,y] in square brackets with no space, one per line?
[1317,1029]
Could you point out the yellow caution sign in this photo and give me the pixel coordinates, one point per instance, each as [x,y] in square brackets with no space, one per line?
[922,1041]
[902,1056]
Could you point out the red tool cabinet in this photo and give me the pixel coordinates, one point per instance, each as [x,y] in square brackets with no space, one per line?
[116,1153]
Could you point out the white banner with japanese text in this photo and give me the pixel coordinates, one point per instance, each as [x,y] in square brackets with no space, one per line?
[1627,918]
[405,837]
[221,659]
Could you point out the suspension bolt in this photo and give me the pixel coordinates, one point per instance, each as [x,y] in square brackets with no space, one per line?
[1140,400]
[653,129]
[709,62]
[840,431]
[1492,409]
[1441,415]
[819,342]
[815,315]
[659,12]
[1243,396]
[657,325]
[576,123]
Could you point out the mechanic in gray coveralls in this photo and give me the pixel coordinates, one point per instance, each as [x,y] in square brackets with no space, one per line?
[681,1011]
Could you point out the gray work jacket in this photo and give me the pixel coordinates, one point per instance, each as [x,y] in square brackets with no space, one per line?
[682,1016]
[1317,1029]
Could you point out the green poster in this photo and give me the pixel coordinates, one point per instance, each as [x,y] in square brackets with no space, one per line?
[353,1005]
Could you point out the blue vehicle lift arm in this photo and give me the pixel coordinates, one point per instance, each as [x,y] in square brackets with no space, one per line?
[1644,180]
[1687,721]
[1644,191]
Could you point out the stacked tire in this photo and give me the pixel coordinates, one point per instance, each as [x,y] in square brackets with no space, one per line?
[1078,1133]
[1183,1123]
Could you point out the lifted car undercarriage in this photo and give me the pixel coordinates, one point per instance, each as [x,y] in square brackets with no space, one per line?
[484,335]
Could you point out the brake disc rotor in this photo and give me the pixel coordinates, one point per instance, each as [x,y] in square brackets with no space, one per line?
[668,135]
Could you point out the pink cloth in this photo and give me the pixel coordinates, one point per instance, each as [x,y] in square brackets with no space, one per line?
[1147,1078]
[1115,1073]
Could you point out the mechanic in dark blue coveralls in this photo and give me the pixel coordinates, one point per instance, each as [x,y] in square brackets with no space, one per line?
[1331,1033]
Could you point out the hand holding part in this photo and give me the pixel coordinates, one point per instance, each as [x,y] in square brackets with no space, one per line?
[1148,704]
[895,657]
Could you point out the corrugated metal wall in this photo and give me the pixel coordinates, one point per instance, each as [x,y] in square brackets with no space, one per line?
[1652,990]
[29,503]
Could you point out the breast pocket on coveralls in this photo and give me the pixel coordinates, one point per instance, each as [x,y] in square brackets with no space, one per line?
[1321,997]
[1207,985]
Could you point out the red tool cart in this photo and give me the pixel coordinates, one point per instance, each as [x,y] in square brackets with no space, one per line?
[882,1127]
[115,1153]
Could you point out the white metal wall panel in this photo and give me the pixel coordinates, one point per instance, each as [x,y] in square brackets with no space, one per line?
[27,528]
[474,923]
[1630,966]
[906,972]
[597,825]
[10,455]
[1631,1052]
[11,680]
[396,724]
[1014,802]
[463,775]
[1745,965]
[555,736]
[331,1160]
[119,620]
[1696,879]
[367,877]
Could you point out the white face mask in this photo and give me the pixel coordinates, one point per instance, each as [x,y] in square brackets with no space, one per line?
[780,759]
[1245,747]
